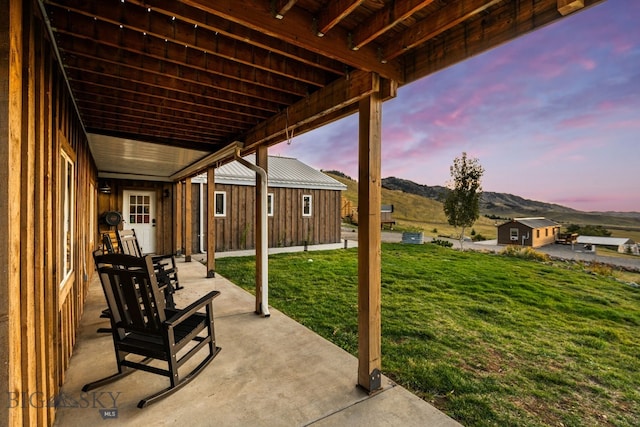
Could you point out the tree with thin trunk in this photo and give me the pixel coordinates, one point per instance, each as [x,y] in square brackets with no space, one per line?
[462,202]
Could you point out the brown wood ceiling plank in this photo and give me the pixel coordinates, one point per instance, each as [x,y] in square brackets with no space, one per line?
[219,117]
[297,29]
[123,125]
[238,32]
[133,22]
[190,119]
[135,115]
[151,68]
[166,97]
[140,82]
[154,54]
[385,19]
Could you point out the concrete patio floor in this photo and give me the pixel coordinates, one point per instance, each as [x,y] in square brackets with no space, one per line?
[270,372]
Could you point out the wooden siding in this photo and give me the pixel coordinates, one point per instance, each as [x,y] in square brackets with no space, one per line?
[287,226]
[536,237]
[38,317]
[164,208]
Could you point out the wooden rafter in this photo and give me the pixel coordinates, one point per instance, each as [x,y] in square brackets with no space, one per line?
[214,23]
[281,7]
[434,25]
[296,29]
[334,13]
[385,19]
[149,31]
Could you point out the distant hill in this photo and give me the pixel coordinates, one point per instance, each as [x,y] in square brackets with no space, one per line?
[504,205]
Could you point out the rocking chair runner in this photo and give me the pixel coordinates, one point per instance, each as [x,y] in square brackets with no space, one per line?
[142,325]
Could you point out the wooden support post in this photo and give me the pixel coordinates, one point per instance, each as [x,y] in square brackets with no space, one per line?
[261,161]
[369,241]
[177,218]
[11,70]
[211,223]
[188,220]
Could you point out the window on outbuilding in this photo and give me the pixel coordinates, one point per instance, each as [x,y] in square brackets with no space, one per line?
[270,204]
[513,233]
[306,205]
[220,208]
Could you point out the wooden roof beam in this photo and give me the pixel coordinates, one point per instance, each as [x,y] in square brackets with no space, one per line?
[321,104]
[433,25]
[385,19]
[297,30]
[237,32]
[335,12]
[281,7]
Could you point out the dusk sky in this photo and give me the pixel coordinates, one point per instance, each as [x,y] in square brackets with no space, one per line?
[553,116]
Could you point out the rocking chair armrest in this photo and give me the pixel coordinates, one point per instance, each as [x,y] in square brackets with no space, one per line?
[191,309]
[156,258]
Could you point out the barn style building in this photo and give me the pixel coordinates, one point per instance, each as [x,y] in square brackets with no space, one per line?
[303,206]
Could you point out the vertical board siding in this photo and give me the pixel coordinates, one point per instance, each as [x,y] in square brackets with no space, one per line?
[47,319]
[287,227]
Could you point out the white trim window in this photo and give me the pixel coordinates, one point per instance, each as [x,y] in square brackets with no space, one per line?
[514,233]
[67,218]
[220,204]
[306,205]
[270,204]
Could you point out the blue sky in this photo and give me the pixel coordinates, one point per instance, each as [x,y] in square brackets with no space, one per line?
[552,116]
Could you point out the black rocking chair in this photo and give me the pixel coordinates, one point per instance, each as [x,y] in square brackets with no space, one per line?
[165,265]
[141,324]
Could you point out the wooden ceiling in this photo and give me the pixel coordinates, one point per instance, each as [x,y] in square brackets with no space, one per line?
[200,74]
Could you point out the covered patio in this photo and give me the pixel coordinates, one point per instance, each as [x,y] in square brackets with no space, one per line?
[269,373]
[115,105]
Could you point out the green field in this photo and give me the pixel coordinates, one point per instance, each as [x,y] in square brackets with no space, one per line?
[488,339]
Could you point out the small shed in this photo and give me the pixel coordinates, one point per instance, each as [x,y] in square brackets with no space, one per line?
[623,244]
[534,232]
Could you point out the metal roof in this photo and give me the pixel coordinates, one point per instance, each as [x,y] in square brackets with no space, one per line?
[283,172]
[536,222]
[604,241]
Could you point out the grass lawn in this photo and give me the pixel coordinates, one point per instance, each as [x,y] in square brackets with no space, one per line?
[488,339]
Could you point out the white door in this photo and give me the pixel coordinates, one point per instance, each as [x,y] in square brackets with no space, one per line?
[140,215]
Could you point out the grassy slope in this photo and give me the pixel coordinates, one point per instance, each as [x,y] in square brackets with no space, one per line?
[412,211]
[490,340]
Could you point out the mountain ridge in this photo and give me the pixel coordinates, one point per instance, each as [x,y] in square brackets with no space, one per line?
[506,206]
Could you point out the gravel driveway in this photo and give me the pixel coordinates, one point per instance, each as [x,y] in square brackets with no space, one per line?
[557,251]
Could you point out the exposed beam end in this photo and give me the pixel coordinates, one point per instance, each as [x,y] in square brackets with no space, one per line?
[566,7]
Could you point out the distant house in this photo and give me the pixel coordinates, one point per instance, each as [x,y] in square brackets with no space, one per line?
[303,206]
[534,232]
